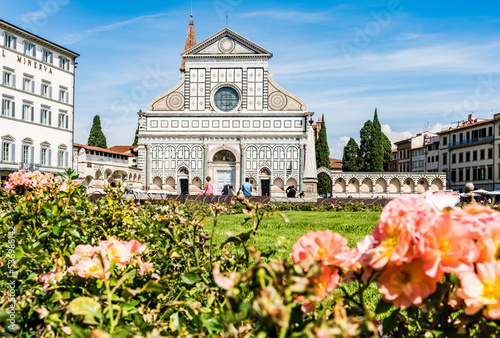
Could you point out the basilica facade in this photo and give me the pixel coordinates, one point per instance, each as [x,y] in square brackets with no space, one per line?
[228,119]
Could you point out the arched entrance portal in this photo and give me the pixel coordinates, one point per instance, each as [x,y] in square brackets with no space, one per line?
[224,163]
[183,176]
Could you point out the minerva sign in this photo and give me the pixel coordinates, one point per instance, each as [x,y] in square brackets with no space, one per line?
[31,63]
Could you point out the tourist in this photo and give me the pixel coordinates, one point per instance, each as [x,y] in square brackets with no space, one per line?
[291,192]
[247,187]
[209,187]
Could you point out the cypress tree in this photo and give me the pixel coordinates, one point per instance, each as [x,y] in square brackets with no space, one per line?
[96,136]
[136,139]
[377,145]
[322,149]
[351,162]
[387,152]
[365,146]
[323,159]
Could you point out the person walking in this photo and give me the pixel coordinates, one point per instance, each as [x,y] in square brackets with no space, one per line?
[209,187]
[247,187]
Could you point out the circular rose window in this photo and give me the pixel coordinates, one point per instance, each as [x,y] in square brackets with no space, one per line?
[226,99]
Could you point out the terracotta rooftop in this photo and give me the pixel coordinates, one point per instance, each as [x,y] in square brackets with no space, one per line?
[335,163]
[122,149]
[467,125]
[100,149]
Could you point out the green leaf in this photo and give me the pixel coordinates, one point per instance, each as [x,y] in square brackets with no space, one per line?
[389,323]
[153,286]
[43,234]
[19,253]
[74,232]
[239,237]
[176,322]
[56,230]
[382,307]
[210,322]
[86,307]
[189,278]
[78,332]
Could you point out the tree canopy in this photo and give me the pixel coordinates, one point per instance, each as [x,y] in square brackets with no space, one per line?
[96,136]
[323,158]
[136,138]
[375,149]
[351,161]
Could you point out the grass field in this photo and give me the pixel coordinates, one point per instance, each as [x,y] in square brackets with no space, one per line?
[352,225]
[277,237]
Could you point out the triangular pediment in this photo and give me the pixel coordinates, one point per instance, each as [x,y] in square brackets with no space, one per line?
[226,44]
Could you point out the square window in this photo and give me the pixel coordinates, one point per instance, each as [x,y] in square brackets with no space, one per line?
[9,41]
[47,56]
[63,95]
[29,49]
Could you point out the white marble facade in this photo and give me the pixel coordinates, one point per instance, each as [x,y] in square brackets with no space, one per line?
[226,119]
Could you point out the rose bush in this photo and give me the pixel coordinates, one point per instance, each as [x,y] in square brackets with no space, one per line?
[116,268]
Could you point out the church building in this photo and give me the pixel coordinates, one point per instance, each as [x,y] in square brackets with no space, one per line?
[227,119]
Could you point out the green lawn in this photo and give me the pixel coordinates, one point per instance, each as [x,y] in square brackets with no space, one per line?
[277,237]
[275,233]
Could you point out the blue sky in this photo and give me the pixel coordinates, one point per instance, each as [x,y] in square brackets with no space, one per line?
[421,63]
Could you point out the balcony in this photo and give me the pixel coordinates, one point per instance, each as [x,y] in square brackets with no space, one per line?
[29,166]
[471,141]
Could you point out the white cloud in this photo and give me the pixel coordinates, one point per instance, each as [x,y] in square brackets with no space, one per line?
[407,36]
[338,150]
[440,127]
[76,37]
[295,16]
[441,57]
[34,16]
[395,136]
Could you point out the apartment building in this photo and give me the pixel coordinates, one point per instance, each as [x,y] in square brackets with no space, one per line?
[403,155]
[470,152]
[420,157]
